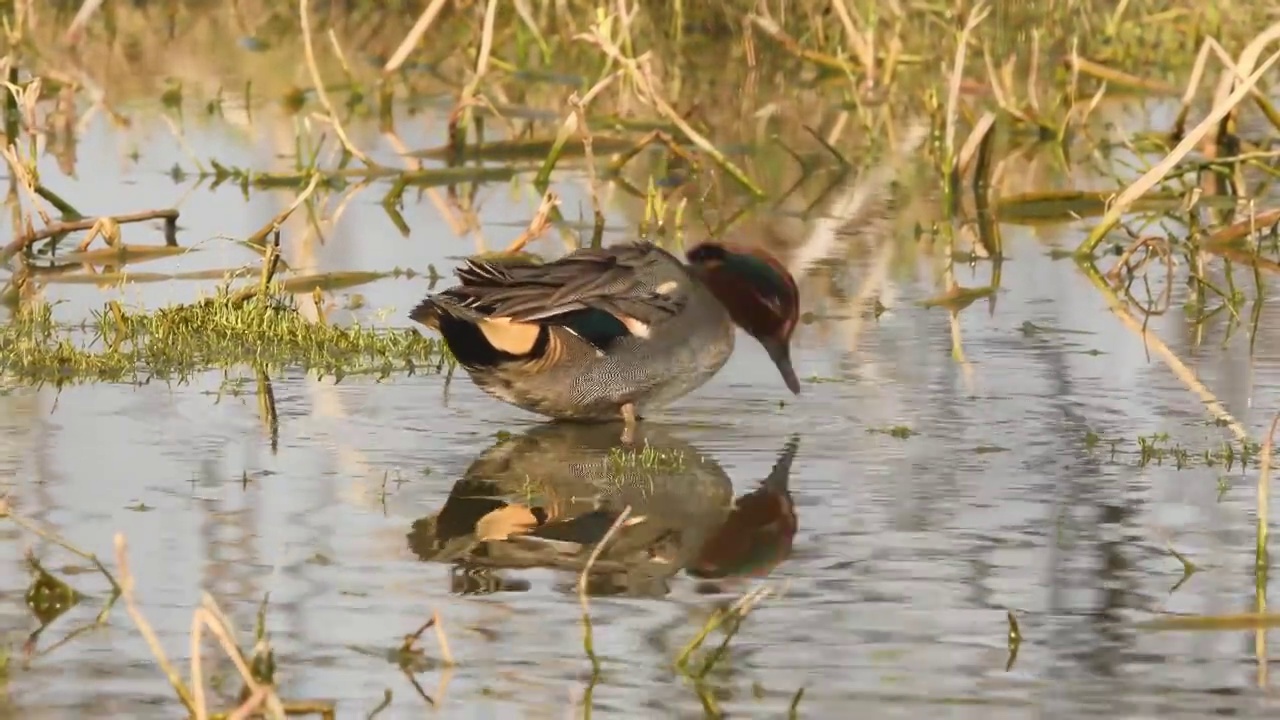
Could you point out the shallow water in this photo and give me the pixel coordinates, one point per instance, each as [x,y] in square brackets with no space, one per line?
[908,553]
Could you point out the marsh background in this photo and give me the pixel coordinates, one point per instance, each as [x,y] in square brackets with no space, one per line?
[985,431]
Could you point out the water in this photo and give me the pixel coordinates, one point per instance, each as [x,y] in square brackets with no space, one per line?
[908,553]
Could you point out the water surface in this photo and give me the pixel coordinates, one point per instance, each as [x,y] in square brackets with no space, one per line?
[909,551]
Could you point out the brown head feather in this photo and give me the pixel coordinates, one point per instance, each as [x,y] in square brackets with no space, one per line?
[758,292]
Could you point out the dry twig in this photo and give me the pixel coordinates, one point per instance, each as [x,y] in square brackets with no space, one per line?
[26,240]
[538,225]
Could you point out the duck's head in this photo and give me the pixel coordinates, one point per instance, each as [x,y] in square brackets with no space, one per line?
[759,293]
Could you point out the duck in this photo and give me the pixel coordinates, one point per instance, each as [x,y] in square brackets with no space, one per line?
[610,333]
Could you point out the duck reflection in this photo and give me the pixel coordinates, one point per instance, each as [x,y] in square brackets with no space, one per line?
[546,498]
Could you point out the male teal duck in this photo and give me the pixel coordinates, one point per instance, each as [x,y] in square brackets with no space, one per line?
[609,333]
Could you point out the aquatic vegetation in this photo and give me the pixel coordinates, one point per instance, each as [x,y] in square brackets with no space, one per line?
[901,432]
[1159,449]
[220,332]
[1015,640]
[646,457]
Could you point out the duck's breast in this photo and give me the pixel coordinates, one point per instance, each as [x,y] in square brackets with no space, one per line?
[679,356]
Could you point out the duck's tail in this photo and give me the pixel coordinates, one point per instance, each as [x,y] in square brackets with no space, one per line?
[429,311]
[475,339]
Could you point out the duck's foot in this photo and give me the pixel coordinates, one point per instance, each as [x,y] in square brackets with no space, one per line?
[629,419]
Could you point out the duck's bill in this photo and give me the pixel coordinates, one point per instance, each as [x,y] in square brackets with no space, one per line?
[780,353]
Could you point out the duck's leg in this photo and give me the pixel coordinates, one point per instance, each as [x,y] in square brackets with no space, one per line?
[628,423]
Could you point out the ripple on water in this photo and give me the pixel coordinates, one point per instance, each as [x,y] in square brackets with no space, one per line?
[909,549]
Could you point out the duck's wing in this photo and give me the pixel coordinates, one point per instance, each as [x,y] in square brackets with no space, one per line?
[599,293]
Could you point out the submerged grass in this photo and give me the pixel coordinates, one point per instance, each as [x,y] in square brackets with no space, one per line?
[1158,449]
[174,343]
[647,458]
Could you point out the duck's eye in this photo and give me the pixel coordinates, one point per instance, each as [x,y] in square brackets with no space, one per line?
[706,253]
